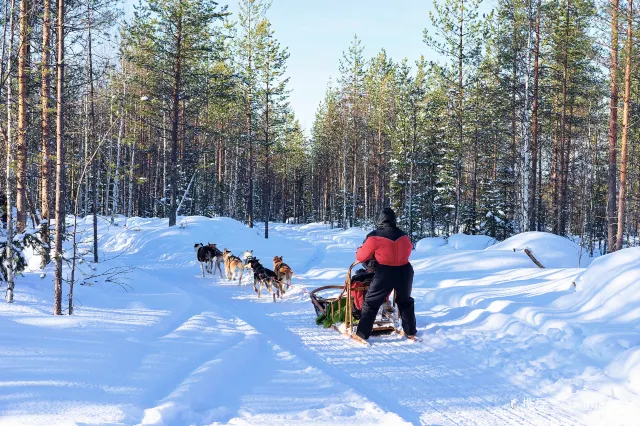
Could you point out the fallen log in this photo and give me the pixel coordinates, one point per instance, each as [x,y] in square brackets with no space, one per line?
[532,257]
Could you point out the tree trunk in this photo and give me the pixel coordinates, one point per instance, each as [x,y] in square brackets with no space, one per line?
[564,152]
[565,172]
[514,107]
[414,141]
[174,125]
[555,172]
[60,193]
[164,161]
[94,168]
[219,210]
[266,201]
[9,140]
[456,215]
[116,178]
[344,182]
[534,128]
[23,95]
[539,206]
[625,129]
[46,131]
[613,130]
[250,177]
[132,179]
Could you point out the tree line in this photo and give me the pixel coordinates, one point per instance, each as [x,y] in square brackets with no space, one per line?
[524,122]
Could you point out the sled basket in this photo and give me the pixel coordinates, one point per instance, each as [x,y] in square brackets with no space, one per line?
[339,303]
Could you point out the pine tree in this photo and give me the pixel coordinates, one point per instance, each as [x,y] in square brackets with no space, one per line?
[352,96]
[458,32]
[251,16]
[23,94]
[60,149]
[45,165]
[625,128]
[172,38]
[271,63]
[613,127]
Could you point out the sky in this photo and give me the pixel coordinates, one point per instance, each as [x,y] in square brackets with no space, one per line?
[317,32]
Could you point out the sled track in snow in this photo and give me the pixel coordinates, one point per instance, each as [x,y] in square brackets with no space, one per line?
[452,390]
[407,378]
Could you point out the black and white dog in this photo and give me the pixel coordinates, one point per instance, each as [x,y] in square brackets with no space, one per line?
[263,276]
[206,255]
[218,259]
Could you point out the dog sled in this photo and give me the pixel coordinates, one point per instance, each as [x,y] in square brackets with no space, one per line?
[339,307]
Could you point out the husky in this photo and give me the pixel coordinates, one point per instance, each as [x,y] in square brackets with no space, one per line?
[205,256]
[263,276]
[247,256]
[282,270]
[217,259]
[232,266]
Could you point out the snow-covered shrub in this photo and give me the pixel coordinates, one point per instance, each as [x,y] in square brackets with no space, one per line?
[19,262]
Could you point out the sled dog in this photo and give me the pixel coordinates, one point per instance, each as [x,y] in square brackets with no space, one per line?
[205,256]
[282,270]
[232,266]
[247,256]
[263,276]
[217,260]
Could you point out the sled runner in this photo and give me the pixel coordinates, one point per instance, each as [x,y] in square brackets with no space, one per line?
[341,310]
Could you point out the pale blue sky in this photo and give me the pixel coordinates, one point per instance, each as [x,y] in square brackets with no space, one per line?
[317,32]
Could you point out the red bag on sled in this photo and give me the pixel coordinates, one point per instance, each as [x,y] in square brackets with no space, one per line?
[358,295]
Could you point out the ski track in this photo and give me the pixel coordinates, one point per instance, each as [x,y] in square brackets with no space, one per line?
[223,356]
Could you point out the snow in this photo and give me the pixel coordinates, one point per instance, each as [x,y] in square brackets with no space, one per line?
[152,342]
[551,250]
[470,242]
[609,289]
[429,243]
[454,242]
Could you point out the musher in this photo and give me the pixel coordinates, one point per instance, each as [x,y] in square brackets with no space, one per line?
[391,248]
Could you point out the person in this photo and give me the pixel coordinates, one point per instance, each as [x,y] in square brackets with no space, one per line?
[391,248]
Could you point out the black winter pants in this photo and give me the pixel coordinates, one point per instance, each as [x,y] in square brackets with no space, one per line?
[387,278]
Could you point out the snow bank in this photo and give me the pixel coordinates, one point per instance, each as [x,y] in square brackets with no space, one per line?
[606,305]
[463,261]
[608,290]
[551,250]
[351,236]
[429,243]
[455,242]
[470,242]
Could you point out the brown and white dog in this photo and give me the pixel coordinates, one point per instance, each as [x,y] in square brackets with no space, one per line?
[217,259]
[282,270]
[232,266]
[263,276]
[205,256]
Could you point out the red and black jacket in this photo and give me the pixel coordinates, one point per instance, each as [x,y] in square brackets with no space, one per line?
[388,244]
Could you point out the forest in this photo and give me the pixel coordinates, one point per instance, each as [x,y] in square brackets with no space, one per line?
[525,122]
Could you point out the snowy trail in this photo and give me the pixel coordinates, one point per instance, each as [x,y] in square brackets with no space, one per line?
[420,384]
[179,349]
